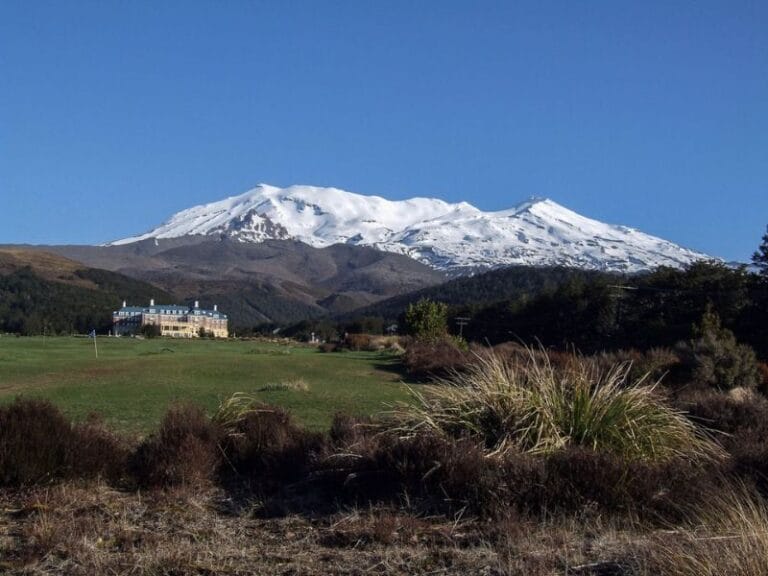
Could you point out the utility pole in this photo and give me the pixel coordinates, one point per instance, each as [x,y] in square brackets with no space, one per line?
[461,321]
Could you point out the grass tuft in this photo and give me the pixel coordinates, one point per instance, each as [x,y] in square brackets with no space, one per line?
[233,410]
[295,385]
[533,407]
[727,536]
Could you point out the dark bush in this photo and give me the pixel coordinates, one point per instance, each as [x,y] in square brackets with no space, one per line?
[269,450]
[35,443]
[150,331]
[433,473]
[38,444]
[743,422]
[736,416]
[434,358]
[359,342]
[184,451]
[581,481]
[653,364]
[99,451]
[438,475]
[347,431]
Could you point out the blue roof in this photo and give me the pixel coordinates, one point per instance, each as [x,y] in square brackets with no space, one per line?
[172,308]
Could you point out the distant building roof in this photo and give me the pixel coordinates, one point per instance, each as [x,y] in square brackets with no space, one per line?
[159,308]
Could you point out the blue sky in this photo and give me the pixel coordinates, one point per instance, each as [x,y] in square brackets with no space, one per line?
[113,115]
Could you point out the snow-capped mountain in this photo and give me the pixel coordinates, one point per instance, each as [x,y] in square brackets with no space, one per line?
[451,237]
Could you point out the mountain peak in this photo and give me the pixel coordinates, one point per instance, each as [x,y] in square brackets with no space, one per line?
[531,202]
[454,237]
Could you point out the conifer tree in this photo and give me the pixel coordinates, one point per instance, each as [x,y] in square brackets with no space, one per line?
[715,357]
[760,257]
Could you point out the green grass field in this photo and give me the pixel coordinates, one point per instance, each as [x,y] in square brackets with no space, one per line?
[132,382]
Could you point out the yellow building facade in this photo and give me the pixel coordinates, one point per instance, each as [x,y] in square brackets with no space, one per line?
[172,320]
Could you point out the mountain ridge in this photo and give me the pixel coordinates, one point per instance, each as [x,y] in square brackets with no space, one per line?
[280,281]
[452,237]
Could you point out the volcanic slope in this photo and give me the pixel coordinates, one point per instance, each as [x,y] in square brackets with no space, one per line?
[277,281]
[456,238]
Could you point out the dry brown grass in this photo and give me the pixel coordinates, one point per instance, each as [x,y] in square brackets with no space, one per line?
[45,264]
[87,530]
[83,529]
[729,535]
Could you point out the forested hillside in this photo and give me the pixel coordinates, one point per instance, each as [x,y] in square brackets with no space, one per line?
[483,289]
[30,304]
[590,310]
[656,309]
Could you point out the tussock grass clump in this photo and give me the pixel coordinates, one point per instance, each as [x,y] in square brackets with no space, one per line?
[295,385]
[532,407]
[232,410]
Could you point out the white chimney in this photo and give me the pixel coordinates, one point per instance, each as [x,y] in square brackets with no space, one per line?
[215,307]
[197,304]
[124,304]
[152,302]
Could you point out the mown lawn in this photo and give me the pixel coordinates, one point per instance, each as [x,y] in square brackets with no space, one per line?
[132,382]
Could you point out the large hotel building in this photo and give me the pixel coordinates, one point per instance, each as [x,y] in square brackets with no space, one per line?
[172,320]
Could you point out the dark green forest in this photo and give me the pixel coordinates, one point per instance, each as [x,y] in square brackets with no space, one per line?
[644,311]
[31,305]
[591,311]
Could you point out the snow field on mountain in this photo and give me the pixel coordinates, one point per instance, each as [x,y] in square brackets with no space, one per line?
[452,237]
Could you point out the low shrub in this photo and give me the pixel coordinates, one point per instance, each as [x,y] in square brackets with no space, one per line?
[100,452]
[742,420]
[295,385]
[736,415]
[652,365]
[582,481]
[426,359]
[348,431]
[329,347]
[359,342]
[431,473]
[762,368]
[267,449]
[533,407]
[184,451]
[38,444]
